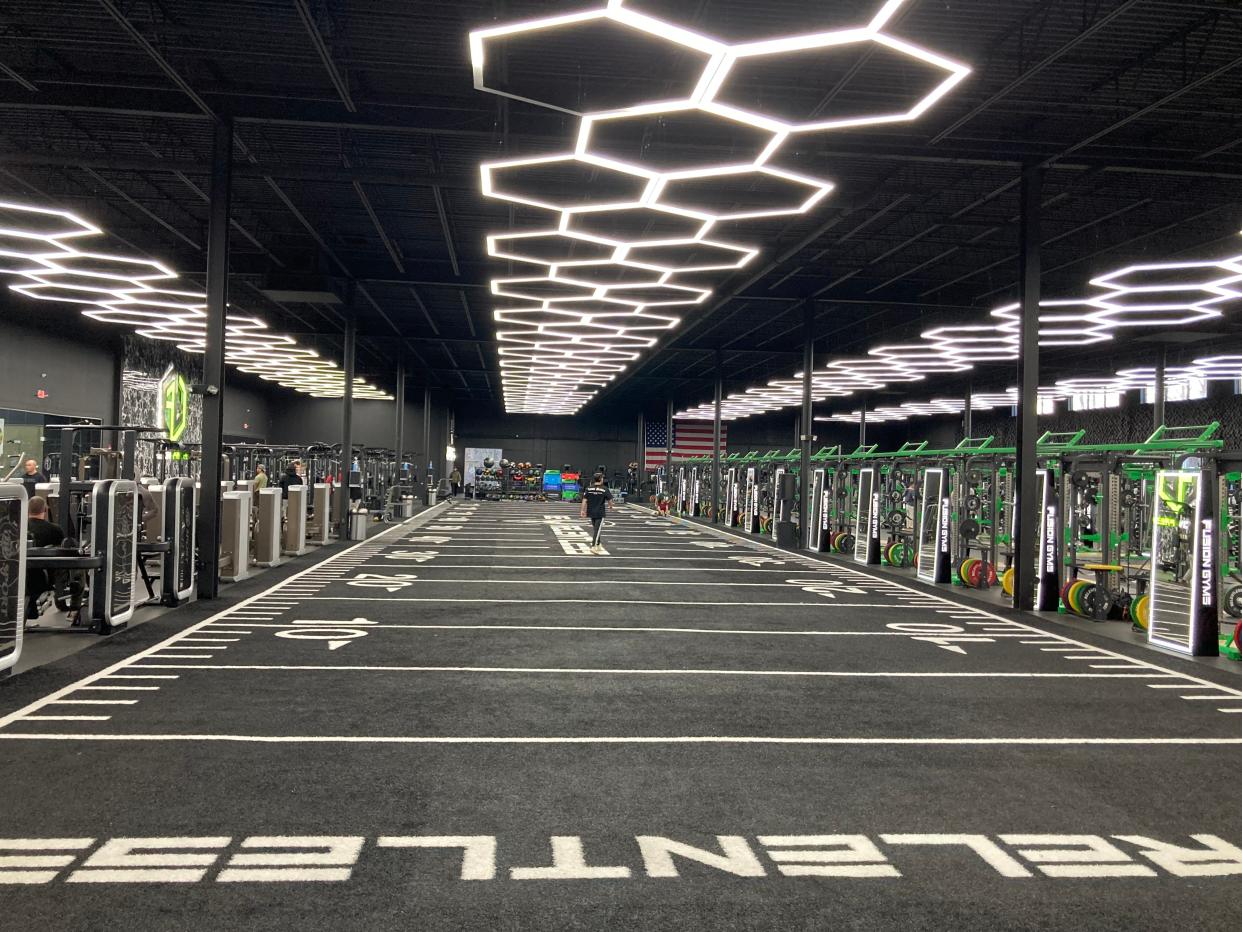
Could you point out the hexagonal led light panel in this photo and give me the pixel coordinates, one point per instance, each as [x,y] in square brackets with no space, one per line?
[664,138]
[741,192]
[565,182]
[1164,294]
[38,247]
[666,153]
[507,57]
[550,247]
[808,63]
[692,256]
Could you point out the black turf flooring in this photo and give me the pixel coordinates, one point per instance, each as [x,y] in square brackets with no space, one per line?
[468,723]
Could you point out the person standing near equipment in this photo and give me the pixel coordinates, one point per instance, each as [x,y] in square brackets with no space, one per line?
[596,500]
[260,479]
[455,480]
[42,533]
[291,477]
[31,477]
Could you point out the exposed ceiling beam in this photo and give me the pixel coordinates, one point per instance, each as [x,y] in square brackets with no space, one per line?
[339,80]
[154,54]
[379,227]
[1086,34]
[13,75]
[290,171]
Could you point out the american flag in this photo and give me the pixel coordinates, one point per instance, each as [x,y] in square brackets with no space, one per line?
[690,439]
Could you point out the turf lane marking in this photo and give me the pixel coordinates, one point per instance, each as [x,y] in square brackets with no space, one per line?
[356,598]
[128,689]
[86,682]
[607,671]
[65,718]
[1212,698]
[738,631]
[188,656]
[94,702]
[726,568]
[1180,686]
[756,544]
[631,739]
[612,582]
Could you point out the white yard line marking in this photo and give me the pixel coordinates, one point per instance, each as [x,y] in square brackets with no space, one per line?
[611,582]
[1212,698]
[635,739]
[611,629]
[756,544]
[621,671]
[683,604]
[86,682]
[64,718]
[187,656]
[118,689]
[726,567]
[94,702]
[1180,686]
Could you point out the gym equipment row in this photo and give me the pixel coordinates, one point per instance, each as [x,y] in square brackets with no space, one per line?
[122,533]
[1121,532]
[94,577]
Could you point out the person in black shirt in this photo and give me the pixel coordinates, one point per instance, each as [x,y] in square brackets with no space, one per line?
[42,533]
[596,500]
[32,476]
[291,477]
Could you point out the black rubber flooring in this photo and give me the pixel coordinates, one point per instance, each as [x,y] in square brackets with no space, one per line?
[471,723]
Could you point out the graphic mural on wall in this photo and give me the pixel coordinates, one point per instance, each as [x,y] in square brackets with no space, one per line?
[155,382]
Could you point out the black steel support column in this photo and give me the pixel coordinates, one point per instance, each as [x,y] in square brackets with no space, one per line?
[805,437]
[641,451]
[218,210]
[347,416]
[425,472]
[968,426]
[716,439]
[862,423]
[668,445]
[1027,513]
[398,439]
[1157,409]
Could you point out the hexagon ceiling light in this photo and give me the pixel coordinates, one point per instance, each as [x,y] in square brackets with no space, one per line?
[632,201]
[38,247]
[1168,294]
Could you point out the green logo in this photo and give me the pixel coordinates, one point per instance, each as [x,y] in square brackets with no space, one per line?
[174,404]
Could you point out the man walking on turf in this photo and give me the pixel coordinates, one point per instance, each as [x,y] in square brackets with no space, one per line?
[596,500]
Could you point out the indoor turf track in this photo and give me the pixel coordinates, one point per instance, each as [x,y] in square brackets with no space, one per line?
[469,723]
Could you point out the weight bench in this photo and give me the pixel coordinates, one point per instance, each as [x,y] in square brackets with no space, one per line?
[64,560]
[147,551]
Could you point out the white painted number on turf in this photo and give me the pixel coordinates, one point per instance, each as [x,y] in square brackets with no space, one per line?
[388,582]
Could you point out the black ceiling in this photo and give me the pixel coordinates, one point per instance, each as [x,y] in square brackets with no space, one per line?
[360,134]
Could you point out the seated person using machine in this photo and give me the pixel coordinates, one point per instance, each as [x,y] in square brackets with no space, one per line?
[42,533]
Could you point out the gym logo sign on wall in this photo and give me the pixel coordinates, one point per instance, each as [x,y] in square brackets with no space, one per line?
[174,406]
